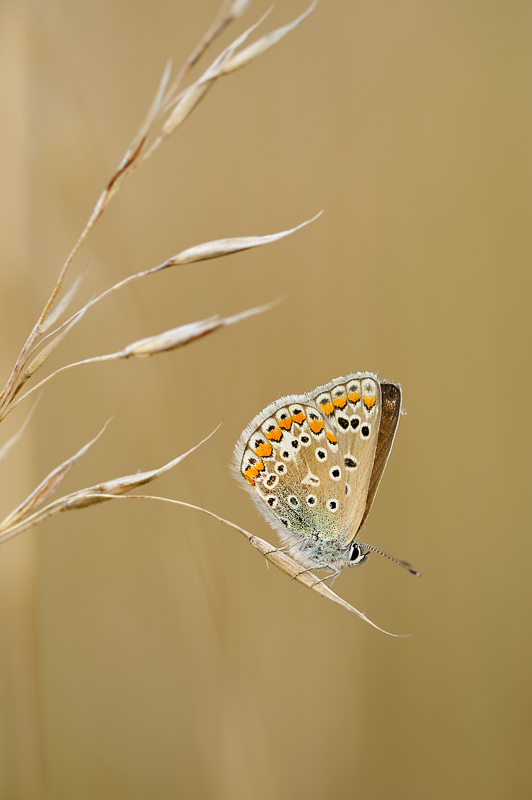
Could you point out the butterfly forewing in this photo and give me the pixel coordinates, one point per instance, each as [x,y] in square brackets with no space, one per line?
[391,411]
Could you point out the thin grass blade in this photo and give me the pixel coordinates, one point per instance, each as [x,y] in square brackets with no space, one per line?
[18,435]
[263,44]
[224,247]
[55,313]
[184,334]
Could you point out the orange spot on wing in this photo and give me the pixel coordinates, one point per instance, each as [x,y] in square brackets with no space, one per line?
[316,425]
[340,402]
[253,470]
[286,423]
[264,450]
[331,437]
[354,397]
[299,418]
[327,408]
[275,434]
[369,402]
[250,473]
[250,481]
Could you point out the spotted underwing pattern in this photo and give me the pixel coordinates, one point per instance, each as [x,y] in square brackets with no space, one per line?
[313,464]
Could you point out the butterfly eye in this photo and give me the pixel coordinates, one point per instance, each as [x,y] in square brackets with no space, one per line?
[356,555]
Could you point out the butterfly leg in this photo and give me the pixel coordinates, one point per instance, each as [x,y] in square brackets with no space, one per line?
[284,549]
[309,569]
[333,575]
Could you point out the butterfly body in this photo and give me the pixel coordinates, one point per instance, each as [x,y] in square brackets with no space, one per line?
[313,463]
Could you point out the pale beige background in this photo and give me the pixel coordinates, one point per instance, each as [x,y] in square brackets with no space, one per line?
[147,652]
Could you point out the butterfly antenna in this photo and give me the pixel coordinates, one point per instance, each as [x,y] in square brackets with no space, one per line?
[403,564]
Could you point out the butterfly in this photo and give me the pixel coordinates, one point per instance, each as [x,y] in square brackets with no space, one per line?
[313,463]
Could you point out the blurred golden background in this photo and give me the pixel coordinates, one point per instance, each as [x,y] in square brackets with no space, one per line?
[147,651]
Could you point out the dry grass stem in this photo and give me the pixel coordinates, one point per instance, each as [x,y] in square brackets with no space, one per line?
[201,252]
[45,489]
[168,111]
[177,337]
[29,512]
[160,343]
[18,435]
[61,306]
[171,106]
[229,11]
[274,555]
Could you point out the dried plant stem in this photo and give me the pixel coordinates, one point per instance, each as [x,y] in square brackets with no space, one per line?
[162,342]
[274,555]
[170,107]
[31,511]
[168,111]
